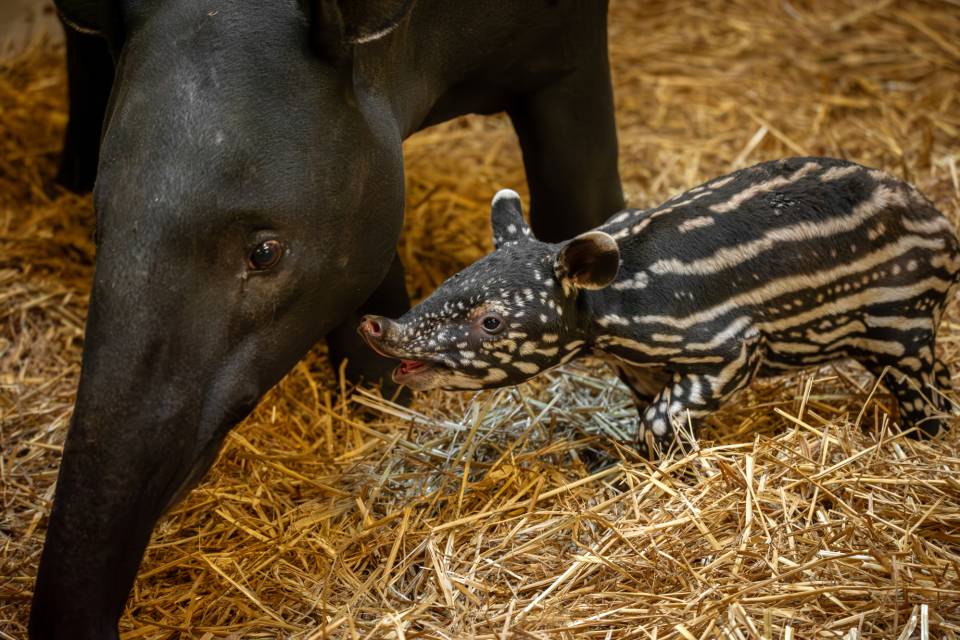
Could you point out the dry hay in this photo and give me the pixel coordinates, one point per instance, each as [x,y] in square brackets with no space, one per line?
[477,515]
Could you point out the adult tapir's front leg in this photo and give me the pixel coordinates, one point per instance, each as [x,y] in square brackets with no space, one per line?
[90,77]
[568,136]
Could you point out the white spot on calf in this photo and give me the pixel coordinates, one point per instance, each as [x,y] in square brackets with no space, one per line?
[526,367]
[611,320]
[659,426]
[495,375]
[638,280]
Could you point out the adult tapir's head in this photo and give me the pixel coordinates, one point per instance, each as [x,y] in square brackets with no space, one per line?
[248,197]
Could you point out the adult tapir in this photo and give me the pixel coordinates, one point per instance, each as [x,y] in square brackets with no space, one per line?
[249,197]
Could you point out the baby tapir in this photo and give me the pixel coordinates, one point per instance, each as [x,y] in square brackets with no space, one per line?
[782,265]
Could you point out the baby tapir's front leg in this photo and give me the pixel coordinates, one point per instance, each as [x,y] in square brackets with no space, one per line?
[644,382]
[696,391]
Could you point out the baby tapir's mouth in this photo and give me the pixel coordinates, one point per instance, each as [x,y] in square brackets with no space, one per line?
[409,366]
[379,333]
[409,370]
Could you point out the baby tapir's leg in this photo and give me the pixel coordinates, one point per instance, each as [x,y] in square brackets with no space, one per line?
[919,399]
[644,382]
[917,378]
[941,373]
[697,392]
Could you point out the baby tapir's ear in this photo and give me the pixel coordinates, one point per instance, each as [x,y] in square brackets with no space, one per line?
[589,261]
[506,214]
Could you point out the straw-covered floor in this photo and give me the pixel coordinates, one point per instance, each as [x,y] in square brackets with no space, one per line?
[803,514]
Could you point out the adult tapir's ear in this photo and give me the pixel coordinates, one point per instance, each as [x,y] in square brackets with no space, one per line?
[506,216]
[98,17]
[589,261]
[337,25]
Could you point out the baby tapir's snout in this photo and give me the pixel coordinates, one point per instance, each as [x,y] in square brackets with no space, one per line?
[372,326]
[379,333]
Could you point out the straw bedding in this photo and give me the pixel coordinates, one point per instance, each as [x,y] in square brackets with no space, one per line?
[803,514]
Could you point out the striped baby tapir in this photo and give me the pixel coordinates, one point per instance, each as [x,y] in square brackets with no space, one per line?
[786,264]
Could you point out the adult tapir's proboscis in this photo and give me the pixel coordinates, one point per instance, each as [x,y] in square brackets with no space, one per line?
[249,197]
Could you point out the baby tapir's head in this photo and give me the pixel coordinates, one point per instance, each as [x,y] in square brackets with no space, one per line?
[503,319]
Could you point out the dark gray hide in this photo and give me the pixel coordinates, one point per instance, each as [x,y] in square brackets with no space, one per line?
[236,130]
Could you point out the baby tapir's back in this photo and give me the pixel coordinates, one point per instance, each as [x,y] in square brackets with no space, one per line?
[794,246]
[786,264]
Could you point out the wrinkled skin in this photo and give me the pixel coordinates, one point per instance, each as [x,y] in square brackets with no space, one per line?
[226,129]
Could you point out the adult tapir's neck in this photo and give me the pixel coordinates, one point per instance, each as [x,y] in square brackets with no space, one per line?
[451,58]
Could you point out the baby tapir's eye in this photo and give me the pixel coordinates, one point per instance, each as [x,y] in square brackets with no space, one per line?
[492,323]
[265,255]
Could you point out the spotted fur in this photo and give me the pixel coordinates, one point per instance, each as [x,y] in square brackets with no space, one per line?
[779,266]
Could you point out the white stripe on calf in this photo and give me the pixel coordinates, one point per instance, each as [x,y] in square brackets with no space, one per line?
[904,323]
[763,187]
[696,223]
[830,336]
[791,284]
[526,367]
[730,257]
[835,173]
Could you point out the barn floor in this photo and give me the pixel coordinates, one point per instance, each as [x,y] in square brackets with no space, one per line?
[802,515]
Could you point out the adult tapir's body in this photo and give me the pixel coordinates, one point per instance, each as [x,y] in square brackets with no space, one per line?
[249,197]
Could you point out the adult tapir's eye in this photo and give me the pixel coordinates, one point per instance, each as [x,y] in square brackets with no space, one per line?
[265,255]
[492,323]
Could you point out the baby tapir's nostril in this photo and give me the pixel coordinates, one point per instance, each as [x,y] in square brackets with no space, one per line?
[372,326]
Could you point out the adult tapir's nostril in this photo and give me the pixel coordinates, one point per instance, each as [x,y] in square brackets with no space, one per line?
[372,326]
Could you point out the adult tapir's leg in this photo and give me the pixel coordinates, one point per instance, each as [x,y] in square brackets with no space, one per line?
[89,79]
[569,140]
[391,300]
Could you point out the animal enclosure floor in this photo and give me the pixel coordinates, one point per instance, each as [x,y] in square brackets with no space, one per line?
[803,514]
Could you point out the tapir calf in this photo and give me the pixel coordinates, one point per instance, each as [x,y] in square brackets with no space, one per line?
[783,265]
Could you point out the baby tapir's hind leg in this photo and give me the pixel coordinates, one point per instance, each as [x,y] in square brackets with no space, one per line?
[919,401]
[918,380]
[941,374]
